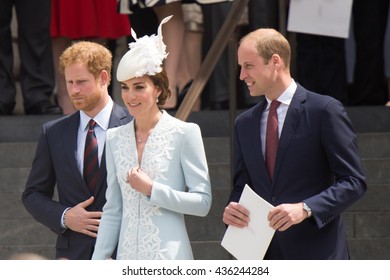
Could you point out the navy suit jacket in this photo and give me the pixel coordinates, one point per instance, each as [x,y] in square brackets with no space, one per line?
[317,162]
[55,164]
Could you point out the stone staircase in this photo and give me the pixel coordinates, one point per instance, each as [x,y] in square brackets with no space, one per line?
[367,222]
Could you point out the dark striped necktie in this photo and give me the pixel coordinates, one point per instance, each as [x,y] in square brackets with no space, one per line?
[91,161]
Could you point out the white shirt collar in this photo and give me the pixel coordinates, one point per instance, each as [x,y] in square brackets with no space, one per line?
[102,118]
[287,95]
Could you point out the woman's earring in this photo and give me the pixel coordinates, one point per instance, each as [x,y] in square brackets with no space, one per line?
[156,99]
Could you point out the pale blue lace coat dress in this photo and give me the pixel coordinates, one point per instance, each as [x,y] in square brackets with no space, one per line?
[153,227]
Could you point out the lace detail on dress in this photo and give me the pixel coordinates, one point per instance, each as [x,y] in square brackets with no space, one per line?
[140,238]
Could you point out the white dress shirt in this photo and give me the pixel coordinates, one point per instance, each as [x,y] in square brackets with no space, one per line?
[285,100]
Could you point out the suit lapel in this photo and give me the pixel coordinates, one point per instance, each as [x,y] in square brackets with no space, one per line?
[257,139]
[262,165]
[252,138]
[118,116]
[291,122]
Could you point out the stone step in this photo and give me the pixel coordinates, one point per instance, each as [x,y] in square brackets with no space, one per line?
[365,222]
[12,209]
[376,199]
[365,242]
[22,128]
[360,249]
[17,154]
[209,250]
[21,154]
[377,170]
[25,231]
[220,173]
[202,250]
[13,179]
[25,234]
[45,250]
[366,119]
[369,248]
[371,146]
[374,145]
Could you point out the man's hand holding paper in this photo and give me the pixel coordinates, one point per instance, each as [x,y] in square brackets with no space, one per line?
[248,239]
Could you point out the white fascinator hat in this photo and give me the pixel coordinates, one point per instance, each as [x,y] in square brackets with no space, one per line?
[146,56]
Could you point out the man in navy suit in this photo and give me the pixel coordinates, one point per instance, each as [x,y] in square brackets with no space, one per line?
[317,172]
[59,158]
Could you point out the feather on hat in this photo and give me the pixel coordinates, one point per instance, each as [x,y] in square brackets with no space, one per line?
[146,56]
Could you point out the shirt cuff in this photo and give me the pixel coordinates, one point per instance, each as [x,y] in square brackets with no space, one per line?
[63,226]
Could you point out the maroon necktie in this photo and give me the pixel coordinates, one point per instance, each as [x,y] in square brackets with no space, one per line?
[91,161]
[271,138]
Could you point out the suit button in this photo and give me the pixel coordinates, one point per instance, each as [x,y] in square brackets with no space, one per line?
[273,199]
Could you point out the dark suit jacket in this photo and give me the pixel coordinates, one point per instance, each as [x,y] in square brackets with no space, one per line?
[317,162]
[55,164]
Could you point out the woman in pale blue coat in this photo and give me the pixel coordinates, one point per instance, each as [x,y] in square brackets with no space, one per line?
[156,166]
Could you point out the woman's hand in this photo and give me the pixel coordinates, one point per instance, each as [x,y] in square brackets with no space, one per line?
[140,181]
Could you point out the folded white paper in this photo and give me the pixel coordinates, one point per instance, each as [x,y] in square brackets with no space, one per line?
[251,242]
[320,17]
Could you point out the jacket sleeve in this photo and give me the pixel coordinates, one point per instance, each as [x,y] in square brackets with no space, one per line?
[197,200]
[339,142]
[39,190]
